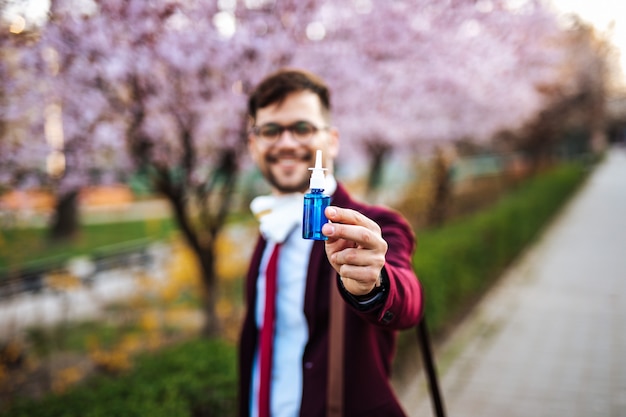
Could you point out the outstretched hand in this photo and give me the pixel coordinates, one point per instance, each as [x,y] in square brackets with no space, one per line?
[355,249]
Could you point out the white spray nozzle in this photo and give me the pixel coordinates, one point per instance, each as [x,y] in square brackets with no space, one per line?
[317,174]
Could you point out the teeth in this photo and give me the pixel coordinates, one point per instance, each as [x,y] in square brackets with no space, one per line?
[287,159]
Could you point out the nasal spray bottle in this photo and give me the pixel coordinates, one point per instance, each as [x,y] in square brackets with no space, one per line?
[314,203]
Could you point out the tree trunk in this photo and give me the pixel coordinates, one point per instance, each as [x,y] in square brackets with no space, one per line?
[201,242]
[210,296]
[441,194]
[377,152]
[64,224]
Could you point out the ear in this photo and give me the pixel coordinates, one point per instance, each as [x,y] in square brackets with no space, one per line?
[253,148]
[333,143]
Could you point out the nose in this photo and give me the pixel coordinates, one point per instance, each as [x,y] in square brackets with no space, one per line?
[286,133]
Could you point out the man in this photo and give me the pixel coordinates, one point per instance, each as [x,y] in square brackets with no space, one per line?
[366,259]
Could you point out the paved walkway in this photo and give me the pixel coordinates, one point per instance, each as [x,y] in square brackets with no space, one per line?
[550,338]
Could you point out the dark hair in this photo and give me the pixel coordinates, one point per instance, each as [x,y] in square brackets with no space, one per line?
[277,86]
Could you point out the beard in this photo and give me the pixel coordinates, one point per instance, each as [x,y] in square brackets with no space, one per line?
[300,186]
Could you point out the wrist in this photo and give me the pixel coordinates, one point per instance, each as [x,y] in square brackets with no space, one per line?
[368,301]
[378,287]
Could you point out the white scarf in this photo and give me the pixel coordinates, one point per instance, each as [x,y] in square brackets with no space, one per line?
[279,215]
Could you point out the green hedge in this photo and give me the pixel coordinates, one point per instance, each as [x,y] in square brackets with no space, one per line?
[456,263]
[196,378]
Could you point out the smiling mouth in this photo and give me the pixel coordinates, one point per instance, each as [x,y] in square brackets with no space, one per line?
[289,158]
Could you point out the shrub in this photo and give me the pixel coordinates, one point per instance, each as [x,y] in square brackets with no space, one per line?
[196,378]
[457,262]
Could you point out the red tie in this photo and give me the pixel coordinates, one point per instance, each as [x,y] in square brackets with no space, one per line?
[267,334]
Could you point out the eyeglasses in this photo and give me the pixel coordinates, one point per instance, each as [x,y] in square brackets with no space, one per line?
[301,131]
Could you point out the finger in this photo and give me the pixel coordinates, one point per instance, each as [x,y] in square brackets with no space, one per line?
[352,256]
[348,216]
[336,243]
[363,237]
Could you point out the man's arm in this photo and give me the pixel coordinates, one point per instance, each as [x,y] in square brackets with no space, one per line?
[373,261]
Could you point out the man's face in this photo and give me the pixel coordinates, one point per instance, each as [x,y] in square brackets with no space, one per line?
[285,161]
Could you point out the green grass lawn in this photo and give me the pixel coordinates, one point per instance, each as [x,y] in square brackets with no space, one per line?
[30,247]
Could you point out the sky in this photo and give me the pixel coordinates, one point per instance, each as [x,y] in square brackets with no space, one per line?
[607,16]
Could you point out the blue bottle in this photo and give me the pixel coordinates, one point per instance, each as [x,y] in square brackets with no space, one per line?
[315,202]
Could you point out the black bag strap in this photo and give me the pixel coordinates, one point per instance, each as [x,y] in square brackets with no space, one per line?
[431,371]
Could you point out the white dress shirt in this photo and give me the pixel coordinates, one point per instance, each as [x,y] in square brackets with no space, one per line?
[291,329]
[281,221]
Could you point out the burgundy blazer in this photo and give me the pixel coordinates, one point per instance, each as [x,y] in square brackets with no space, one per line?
[370,336]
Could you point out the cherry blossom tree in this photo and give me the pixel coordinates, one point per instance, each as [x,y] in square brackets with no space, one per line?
[173,76]
[18,158]
[413,75]
[577,105]
[161,86]
[60,135]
